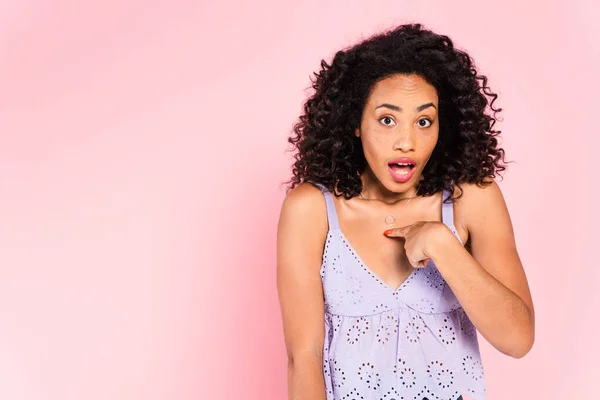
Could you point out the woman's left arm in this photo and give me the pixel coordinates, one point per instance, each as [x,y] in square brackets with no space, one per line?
[489,283]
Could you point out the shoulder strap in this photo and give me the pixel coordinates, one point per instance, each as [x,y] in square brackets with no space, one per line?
[448,215]
[447,210]
[331,212]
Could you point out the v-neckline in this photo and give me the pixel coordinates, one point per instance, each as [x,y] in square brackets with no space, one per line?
[370,271]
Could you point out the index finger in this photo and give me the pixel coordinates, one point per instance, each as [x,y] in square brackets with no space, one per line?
[397,232]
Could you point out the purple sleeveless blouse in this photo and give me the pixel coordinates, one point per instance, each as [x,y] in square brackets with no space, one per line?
[411,343]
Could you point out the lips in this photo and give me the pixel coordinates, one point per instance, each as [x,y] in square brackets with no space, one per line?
[402,169]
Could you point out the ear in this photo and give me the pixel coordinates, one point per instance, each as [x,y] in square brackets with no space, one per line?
[357,132]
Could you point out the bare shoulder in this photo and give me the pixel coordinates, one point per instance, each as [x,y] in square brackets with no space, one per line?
[474,194]
[306,196]
[304,205]
[481,206]
[303,225]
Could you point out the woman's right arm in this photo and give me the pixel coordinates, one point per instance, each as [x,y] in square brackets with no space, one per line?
[301,236]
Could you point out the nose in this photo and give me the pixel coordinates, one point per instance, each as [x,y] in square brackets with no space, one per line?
[405,139]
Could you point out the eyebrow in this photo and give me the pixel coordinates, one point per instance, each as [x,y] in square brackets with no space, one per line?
[396,108]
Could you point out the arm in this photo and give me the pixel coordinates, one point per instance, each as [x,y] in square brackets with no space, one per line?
[301,238]
[490,283]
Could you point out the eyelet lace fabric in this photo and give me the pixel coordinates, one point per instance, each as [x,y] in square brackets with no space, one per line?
[408,343]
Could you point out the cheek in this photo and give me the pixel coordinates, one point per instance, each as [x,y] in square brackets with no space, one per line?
[374,145]
[429,140]
[375,138]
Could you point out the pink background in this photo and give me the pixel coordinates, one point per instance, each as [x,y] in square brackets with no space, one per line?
[142,147]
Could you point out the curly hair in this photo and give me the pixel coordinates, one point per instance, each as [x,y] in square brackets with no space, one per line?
[467,150]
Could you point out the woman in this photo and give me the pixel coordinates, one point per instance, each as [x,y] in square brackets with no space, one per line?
[394,172]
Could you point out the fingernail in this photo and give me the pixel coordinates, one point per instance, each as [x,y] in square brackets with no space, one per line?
[387,232]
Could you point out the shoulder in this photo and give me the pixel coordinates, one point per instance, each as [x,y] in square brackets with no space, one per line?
[305,199]
[473,192]
[479,201]
[304,205]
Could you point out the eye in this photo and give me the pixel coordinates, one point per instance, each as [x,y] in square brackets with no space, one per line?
[387,121]
[424,123]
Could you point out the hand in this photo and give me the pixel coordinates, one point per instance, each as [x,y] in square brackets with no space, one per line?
[418,240]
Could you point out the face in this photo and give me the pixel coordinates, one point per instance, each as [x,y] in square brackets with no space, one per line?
[399,130]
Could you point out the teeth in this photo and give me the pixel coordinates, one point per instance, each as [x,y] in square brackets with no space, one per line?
[401,172]
[402,164]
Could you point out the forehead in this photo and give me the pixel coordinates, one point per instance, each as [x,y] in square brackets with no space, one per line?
[403,89]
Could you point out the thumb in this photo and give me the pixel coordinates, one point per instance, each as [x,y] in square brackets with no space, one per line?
[424,263]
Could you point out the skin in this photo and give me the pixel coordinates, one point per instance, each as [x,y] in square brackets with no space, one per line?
[489,282]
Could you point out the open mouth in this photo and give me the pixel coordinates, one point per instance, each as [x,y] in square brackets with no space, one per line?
[402,169]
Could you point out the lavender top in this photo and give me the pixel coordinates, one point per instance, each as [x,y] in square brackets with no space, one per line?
[411,343]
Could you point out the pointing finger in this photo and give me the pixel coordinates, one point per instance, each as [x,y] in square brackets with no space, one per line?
[397,232]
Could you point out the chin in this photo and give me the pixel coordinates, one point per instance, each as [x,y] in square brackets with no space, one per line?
[400,187]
